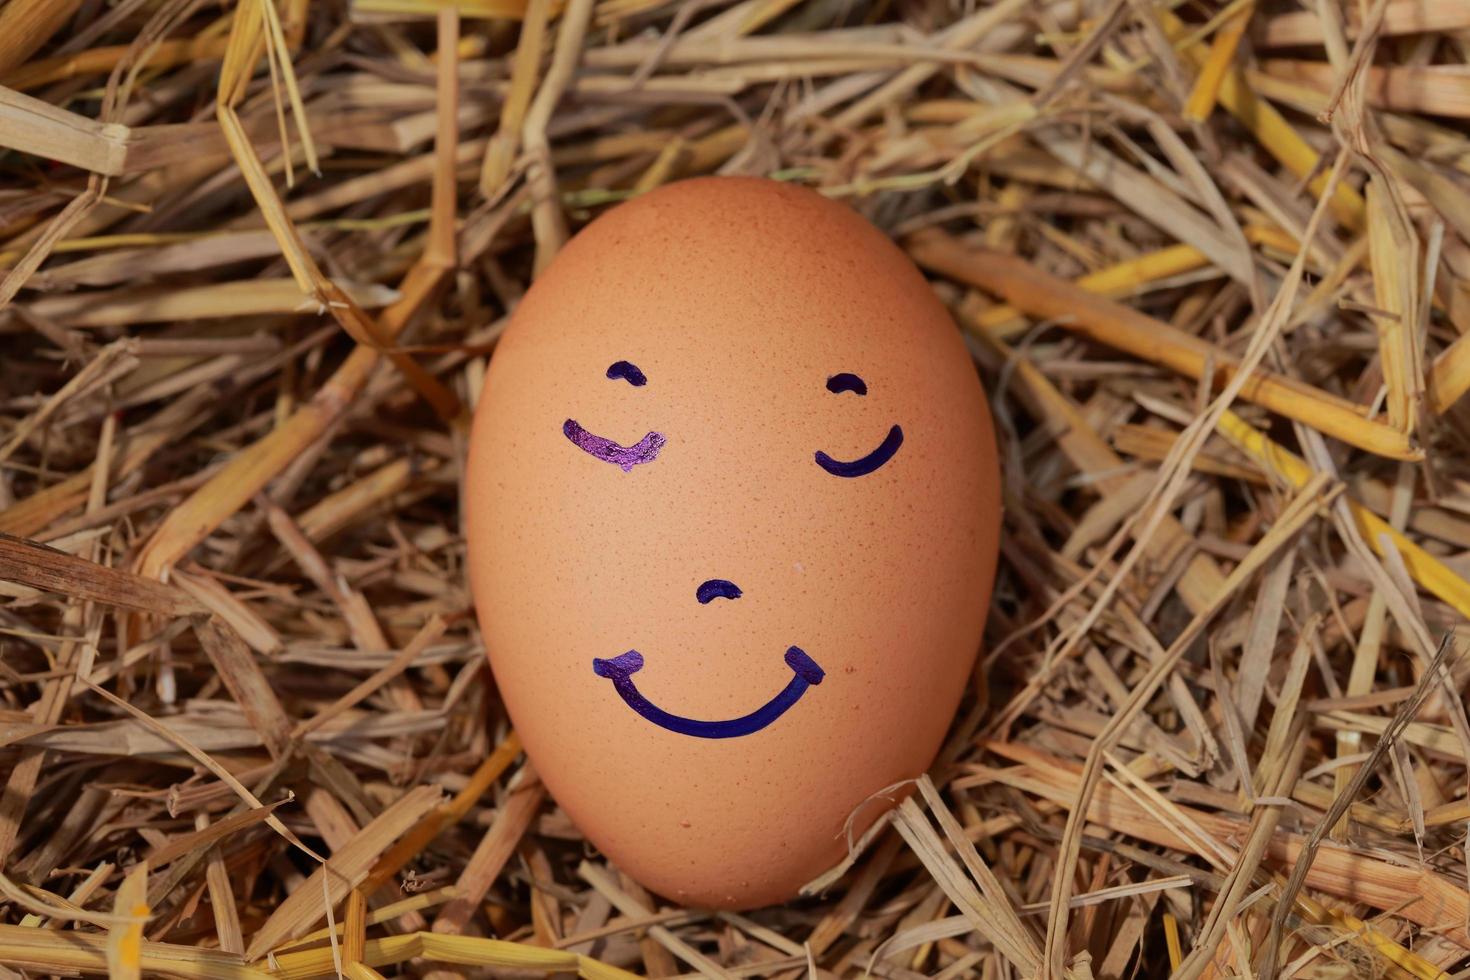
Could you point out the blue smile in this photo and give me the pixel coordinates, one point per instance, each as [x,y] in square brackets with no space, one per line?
[869,463]
[620,671]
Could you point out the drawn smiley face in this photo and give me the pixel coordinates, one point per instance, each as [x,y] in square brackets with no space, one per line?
[731,507]
[807,673]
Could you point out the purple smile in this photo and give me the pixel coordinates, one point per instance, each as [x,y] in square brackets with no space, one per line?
[620,671]
[644,451]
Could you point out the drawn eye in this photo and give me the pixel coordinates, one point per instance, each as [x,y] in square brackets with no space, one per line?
[629,372]
[837,384]
[868,463]
[645,450]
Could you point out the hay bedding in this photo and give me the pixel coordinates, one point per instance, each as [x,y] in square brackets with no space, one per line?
[1212,260]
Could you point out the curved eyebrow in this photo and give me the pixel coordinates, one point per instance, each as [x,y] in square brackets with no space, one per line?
[717,588]
[839,383]
[629,372]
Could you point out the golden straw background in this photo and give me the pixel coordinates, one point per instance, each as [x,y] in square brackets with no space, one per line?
[1212,259]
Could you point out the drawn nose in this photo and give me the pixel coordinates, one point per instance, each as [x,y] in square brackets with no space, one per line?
[716,588]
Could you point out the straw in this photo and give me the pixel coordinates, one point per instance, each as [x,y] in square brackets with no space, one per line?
[1210,261]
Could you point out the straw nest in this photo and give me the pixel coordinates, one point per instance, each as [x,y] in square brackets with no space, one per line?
[1211,258]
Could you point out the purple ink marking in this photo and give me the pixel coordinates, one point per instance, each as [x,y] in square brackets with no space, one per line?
[869,463]
[629,372]
[839,383]
[620,671]
[716,588]
[644,451]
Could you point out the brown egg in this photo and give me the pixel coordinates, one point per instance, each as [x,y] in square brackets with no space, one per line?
[733,508]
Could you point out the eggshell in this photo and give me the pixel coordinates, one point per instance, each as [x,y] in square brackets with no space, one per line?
[597,507]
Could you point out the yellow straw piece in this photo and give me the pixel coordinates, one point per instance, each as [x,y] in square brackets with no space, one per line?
[125,937]
[1171,940]
[1406,960]
[1127,277]
[1206,91]
[1393,252]
[166,54]
[474,9]
[1449,375]
[461,950]
[1429,572]
[1273,131]
[74,951]
[1048,297]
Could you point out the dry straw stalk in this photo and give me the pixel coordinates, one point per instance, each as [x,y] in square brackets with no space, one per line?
[1211,261]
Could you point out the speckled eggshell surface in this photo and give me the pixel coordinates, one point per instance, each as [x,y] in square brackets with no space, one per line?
[733,507]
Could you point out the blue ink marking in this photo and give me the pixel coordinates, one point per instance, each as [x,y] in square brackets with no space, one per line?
[620,671]
[629,372]
[644,451]
[869,463]
[716,588]
[839,383]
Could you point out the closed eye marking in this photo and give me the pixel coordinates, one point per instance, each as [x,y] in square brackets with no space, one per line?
[839,383]
[645,450]
[867,464]
[629,372]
